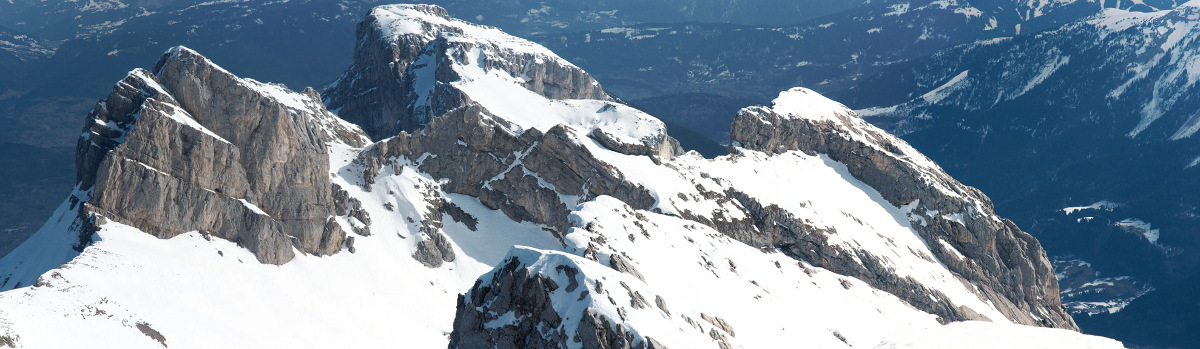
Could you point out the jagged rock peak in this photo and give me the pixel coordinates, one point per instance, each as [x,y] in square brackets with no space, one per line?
[409,57]
[192,147]
[958,222]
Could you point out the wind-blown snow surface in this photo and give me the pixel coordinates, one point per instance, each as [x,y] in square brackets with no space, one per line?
[194,291]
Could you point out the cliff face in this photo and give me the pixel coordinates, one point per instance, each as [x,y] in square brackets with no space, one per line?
[401,75]
[190,147]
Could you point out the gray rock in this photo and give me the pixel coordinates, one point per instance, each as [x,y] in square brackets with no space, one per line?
[620,264]
[434,250]
[719,323]
[512,288]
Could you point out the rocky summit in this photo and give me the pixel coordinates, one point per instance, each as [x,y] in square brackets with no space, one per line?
[483,192]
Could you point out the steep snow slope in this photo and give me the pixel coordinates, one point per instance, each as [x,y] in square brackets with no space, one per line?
[567,197]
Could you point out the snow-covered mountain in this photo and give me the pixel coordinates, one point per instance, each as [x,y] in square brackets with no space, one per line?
[1147,55]
[668,64]
[213,210]
[1085,134]
[829,53]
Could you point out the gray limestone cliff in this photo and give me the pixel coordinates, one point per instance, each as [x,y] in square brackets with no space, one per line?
[191,147]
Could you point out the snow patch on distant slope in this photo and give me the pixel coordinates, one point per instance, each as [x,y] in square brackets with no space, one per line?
[1139,227]
[1098,205]
[941,92]
[1114,20]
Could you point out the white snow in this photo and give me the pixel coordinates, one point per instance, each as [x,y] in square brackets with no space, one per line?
[183,117]
[804,103]
[503,95]
[833,198]
[939,93]
[102,6]
[254,208]
[1139,227]
[396,20]
[897,9]
[764,296]
[954,251]
[279,93]
[1043,74]
[956,217]
[46,249]
[1098,205]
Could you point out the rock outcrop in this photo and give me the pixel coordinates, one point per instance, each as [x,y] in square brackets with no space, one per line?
[521,304]
[400,77]
[1008,265]
[531,176]
[191,147]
